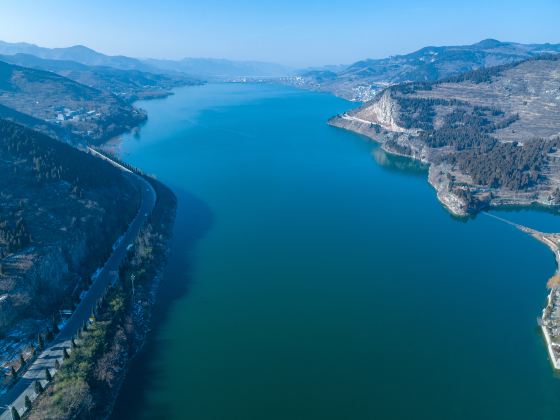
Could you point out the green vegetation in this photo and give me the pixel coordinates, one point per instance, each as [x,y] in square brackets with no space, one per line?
[27,403]
[80,378]
[15,414]
[15,235]
[38,387]
[84,386]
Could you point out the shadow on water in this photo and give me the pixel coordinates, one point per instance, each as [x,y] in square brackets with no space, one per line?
[194,219]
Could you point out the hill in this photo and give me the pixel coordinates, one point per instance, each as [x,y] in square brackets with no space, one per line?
[129,85]
[361,80]
[69,110]
[62,210]
[490,136]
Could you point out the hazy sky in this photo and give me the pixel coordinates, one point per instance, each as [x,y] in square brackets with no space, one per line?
[304,32]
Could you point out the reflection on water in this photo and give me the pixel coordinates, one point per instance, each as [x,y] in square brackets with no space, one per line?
[397,163]
[309,282]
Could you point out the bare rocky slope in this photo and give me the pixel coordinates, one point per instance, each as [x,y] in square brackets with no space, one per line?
[491,136]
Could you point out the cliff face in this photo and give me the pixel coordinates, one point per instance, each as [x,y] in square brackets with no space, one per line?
[383,111]
[491,137]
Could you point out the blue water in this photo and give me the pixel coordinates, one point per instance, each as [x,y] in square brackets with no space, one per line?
[314,277]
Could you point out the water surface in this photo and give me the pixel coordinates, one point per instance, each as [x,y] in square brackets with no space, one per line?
[313,277]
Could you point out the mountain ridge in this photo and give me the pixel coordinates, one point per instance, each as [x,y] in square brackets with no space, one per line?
[362,79]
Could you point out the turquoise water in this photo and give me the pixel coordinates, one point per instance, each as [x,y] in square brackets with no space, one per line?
[314,277]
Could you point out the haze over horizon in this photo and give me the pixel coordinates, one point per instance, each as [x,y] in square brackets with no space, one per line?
[289,32]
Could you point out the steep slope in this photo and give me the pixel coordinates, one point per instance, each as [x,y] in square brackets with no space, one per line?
[80,111]
[491,136]
[61,211]
[361,80]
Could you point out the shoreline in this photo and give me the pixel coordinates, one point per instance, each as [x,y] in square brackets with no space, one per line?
[553,297]
[459,209]
[457,205]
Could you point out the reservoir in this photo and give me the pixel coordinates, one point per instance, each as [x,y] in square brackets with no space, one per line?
[311,276]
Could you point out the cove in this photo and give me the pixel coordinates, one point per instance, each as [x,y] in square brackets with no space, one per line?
[312,276]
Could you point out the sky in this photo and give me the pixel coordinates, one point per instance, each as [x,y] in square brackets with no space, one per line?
[296,33]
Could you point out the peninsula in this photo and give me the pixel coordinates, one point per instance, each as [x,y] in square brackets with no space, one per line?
[490,137]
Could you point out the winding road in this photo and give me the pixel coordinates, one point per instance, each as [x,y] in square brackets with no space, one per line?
[15,396]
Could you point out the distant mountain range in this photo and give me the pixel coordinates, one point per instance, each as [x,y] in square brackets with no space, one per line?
[213,68]
[203,68]
[361,80]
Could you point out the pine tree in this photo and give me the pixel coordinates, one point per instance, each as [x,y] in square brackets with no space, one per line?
[27,403]
[73,344]
[21,359]
[56,330]
[13,372]
[40,342]
[48,375]
[57,364]
[15,414]
[38,387]
[65,354]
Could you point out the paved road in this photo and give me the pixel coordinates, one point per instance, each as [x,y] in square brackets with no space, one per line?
[25,385]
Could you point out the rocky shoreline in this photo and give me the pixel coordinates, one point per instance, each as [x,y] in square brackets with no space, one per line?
[457,198]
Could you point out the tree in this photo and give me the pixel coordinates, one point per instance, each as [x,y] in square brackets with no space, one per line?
[56,330]
[13,372]
[57,364]
[15,414]
[73,344]
[65,354]
[40,342]
[49,335]
[38,387]
[21,359]
[27,403]
[48,375]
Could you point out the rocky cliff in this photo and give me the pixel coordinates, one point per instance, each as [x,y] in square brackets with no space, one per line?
[491,137]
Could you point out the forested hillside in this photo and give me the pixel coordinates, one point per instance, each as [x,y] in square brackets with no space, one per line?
[62,209]
[491,135]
